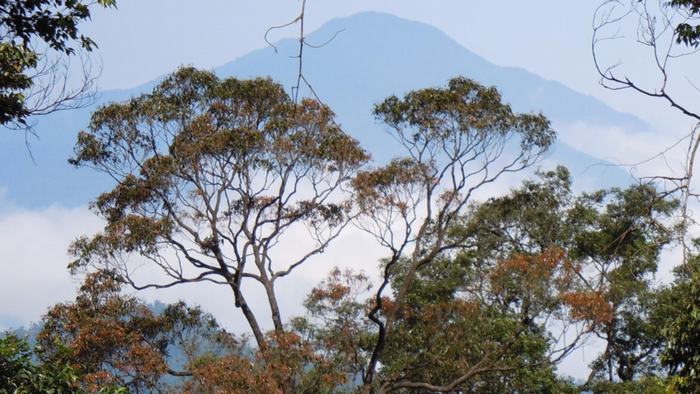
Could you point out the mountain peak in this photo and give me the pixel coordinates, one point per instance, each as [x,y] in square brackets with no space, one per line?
[373,20]
[372,55]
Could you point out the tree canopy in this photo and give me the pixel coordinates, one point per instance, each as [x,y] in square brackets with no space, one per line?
[216,172]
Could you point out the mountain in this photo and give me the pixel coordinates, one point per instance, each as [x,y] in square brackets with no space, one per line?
[372,56]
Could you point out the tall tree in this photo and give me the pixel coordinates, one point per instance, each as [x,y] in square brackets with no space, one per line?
[454,140]
[537,270]
[624,242]
[610,242]
[557,268]
[212,176]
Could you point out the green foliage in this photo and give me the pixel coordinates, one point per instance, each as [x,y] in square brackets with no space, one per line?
[456,140]
[469,312]
[612,241]
[463,109]
[645,385]
[688,32]
[442,335]
[213,173]
[540,253]
[24,24]
[482,315]
[628,240]
[682,328]
[21,375]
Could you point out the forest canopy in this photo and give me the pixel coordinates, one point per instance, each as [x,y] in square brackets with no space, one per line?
[212,175]
[242,185]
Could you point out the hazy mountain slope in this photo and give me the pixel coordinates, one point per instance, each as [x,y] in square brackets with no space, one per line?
[375,55]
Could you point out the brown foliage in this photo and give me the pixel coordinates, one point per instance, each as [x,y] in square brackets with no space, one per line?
[590,306]
[230,375]
[212,173]
[115,340]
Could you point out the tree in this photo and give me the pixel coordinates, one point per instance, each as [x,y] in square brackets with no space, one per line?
[662,26]
[682,328]
[455,140]
[625,241]
[667,31]
[458,341]
[19,374]
[609,243]
[113,340]
[212,175]
[688,31]
[437,338]
[670,30]
[476,320]
[563,267]
[538,270]
[36,39]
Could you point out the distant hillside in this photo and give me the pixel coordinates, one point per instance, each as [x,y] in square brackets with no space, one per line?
[373,56]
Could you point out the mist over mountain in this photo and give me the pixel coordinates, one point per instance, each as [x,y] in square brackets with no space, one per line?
[369,57]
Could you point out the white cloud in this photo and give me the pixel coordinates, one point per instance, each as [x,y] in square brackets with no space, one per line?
[291,291]
[33,259]
[637,151]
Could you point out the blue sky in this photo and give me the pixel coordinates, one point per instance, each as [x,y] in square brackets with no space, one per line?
[552,38]
[145,39]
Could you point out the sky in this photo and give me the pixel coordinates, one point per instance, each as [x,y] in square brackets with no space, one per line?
[551,38]
[142,40]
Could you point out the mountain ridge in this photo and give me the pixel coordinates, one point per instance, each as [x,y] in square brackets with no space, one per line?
[387,55]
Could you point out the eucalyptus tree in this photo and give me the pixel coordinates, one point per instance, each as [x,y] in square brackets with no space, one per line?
[212,177]
[622,244]
[454,140]
[537,271]
[607,244]
[604,248]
